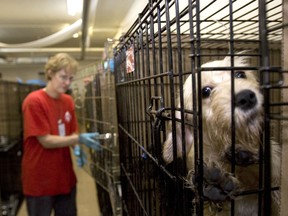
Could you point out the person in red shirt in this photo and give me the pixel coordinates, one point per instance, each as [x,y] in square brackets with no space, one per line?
[50,128]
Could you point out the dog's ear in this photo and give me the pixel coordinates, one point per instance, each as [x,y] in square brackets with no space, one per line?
[168,144]
[178,134]
[168,148]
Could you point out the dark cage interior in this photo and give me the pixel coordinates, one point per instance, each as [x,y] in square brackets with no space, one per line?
[199,138]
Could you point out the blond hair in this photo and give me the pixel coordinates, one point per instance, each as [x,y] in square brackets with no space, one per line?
[58,62]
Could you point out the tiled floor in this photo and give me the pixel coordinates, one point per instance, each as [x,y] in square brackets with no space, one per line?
[87,202]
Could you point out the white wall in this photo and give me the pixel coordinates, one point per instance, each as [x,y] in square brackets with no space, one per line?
[24,72]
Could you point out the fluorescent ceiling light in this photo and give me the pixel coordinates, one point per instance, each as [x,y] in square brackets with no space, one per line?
[76,35]
[74,7]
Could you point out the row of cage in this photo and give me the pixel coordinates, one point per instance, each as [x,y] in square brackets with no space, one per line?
[11,96]
[93,91]
[191,110]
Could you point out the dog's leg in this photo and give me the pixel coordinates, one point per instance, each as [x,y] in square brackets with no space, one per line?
[218,186]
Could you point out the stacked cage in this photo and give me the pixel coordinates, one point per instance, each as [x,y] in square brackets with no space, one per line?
[161,53]
[10,118]
[94,95]
[11,96]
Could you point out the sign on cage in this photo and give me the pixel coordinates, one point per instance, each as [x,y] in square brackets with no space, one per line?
[130,60]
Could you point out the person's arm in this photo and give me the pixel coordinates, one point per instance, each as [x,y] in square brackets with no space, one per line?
[55,141]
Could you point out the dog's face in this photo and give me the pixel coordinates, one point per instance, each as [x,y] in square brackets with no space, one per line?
[217,101]
[217,110]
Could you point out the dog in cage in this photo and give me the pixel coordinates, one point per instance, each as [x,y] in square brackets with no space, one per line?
[220,185]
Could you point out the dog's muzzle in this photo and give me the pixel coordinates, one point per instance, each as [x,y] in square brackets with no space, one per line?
[245,100]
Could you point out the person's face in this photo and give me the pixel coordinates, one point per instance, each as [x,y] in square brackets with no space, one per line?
[61,81]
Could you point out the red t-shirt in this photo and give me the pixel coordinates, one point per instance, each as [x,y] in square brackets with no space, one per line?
[47,172]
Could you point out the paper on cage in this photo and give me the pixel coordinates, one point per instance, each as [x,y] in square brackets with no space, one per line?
[130,67]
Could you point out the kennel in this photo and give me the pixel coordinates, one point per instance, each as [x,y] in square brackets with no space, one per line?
[11,96]
[169,41]
[94,94]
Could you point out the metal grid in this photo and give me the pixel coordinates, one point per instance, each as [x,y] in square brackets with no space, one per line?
[170,41]
[10,118]
[11,96]
[94,95]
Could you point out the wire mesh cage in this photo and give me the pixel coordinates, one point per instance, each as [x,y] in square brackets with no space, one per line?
[11,97]
[200,96]
[10,118]
[94,95]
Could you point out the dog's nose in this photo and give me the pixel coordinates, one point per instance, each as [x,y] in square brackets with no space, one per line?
[245,100]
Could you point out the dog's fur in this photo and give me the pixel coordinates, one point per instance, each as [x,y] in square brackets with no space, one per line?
[216,120]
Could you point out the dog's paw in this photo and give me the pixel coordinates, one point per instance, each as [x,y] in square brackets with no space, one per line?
[218,186]
[242,157]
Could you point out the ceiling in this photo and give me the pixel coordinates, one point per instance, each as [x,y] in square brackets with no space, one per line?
[32,30]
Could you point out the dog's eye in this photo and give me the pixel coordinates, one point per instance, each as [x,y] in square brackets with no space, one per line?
[206,91]
[240,74]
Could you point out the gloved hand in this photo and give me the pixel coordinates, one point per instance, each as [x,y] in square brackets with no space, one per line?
[89,139]
[81,158]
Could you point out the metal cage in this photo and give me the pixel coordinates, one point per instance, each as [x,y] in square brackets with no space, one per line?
[169,42]
[94,94]
[12,95]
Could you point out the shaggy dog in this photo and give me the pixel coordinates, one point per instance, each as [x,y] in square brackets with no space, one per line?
[220,185]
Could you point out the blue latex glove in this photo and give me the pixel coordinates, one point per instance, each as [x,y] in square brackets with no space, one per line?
[81,158]
[89,139]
